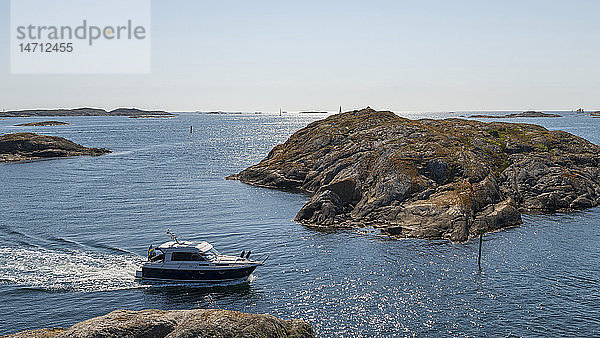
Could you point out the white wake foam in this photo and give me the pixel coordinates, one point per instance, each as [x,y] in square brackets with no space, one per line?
[68,270]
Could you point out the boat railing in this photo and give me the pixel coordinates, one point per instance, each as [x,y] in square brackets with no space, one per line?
[261,259]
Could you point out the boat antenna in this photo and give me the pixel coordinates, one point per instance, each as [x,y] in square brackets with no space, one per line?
[173,237]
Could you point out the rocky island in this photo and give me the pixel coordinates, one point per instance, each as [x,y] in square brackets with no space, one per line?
[515,115]
[150,116]
[429,178]
[42,124]
[84,112]
[178,323]
[30,146]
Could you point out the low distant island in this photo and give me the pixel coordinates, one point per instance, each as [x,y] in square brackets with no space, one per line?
[42,124]
[178,323]
[30,146]
[515,115]
[449,179]
[84,112]
[150,116]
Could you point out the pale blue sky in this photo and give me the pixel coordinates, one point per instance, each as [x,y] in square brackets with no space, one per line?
[303,55]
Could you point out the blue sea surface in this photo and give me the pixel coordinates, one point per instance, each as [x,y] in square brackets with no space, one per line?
[74,230]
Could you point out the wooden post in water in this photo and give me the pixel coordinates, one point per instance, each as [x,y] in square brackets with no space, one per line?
[191,129]
[480,242]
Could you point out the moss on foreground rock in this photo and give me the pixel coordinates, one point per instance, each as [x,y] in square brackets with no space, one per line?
[178,324]
[429,178]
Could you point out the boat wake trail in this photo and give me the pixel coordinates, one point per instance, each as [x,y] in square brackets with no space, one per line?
[68,270]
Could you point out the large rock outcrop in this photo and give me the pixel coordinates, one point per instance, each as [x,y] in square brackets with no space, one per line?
[178,324]
[429,178]
[28,146]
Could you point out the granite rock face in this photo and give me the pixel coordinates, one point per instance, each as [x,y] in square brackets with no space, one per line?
[429,178]
[179,324]
[28,146]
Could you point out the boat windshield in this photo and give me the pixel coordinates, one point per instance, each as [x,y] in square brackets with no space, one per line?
[212,254]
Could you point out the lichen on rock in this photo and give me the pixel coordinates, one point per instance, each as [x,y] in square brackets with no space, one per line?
[429,178]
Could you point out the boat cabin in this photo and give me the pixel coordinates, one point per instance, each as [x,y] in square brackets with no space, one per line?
[182,251]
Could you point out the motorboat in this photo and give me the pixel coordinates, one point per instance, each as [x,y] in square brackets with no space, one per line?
[187,261]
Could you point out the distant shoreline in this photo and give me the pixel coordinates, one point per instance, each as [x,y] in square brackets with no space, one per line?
[140,113]
[85,112]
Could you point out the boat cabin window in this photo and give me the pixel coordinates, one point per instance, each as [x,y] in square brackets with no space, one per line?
[158,258]
[186,256]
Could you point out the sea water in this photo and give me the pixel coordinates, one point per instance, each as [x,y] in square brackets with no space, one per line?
[74,230]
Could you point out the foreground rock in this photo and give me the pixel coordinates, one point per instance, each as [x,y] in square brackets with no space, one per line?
[429,178]
[84,112]
[179,323]
[515,115]
[42,124]
[30,146]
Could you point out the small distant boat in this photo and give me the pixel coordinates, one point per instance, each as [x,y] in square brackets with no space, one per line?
[186,261]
